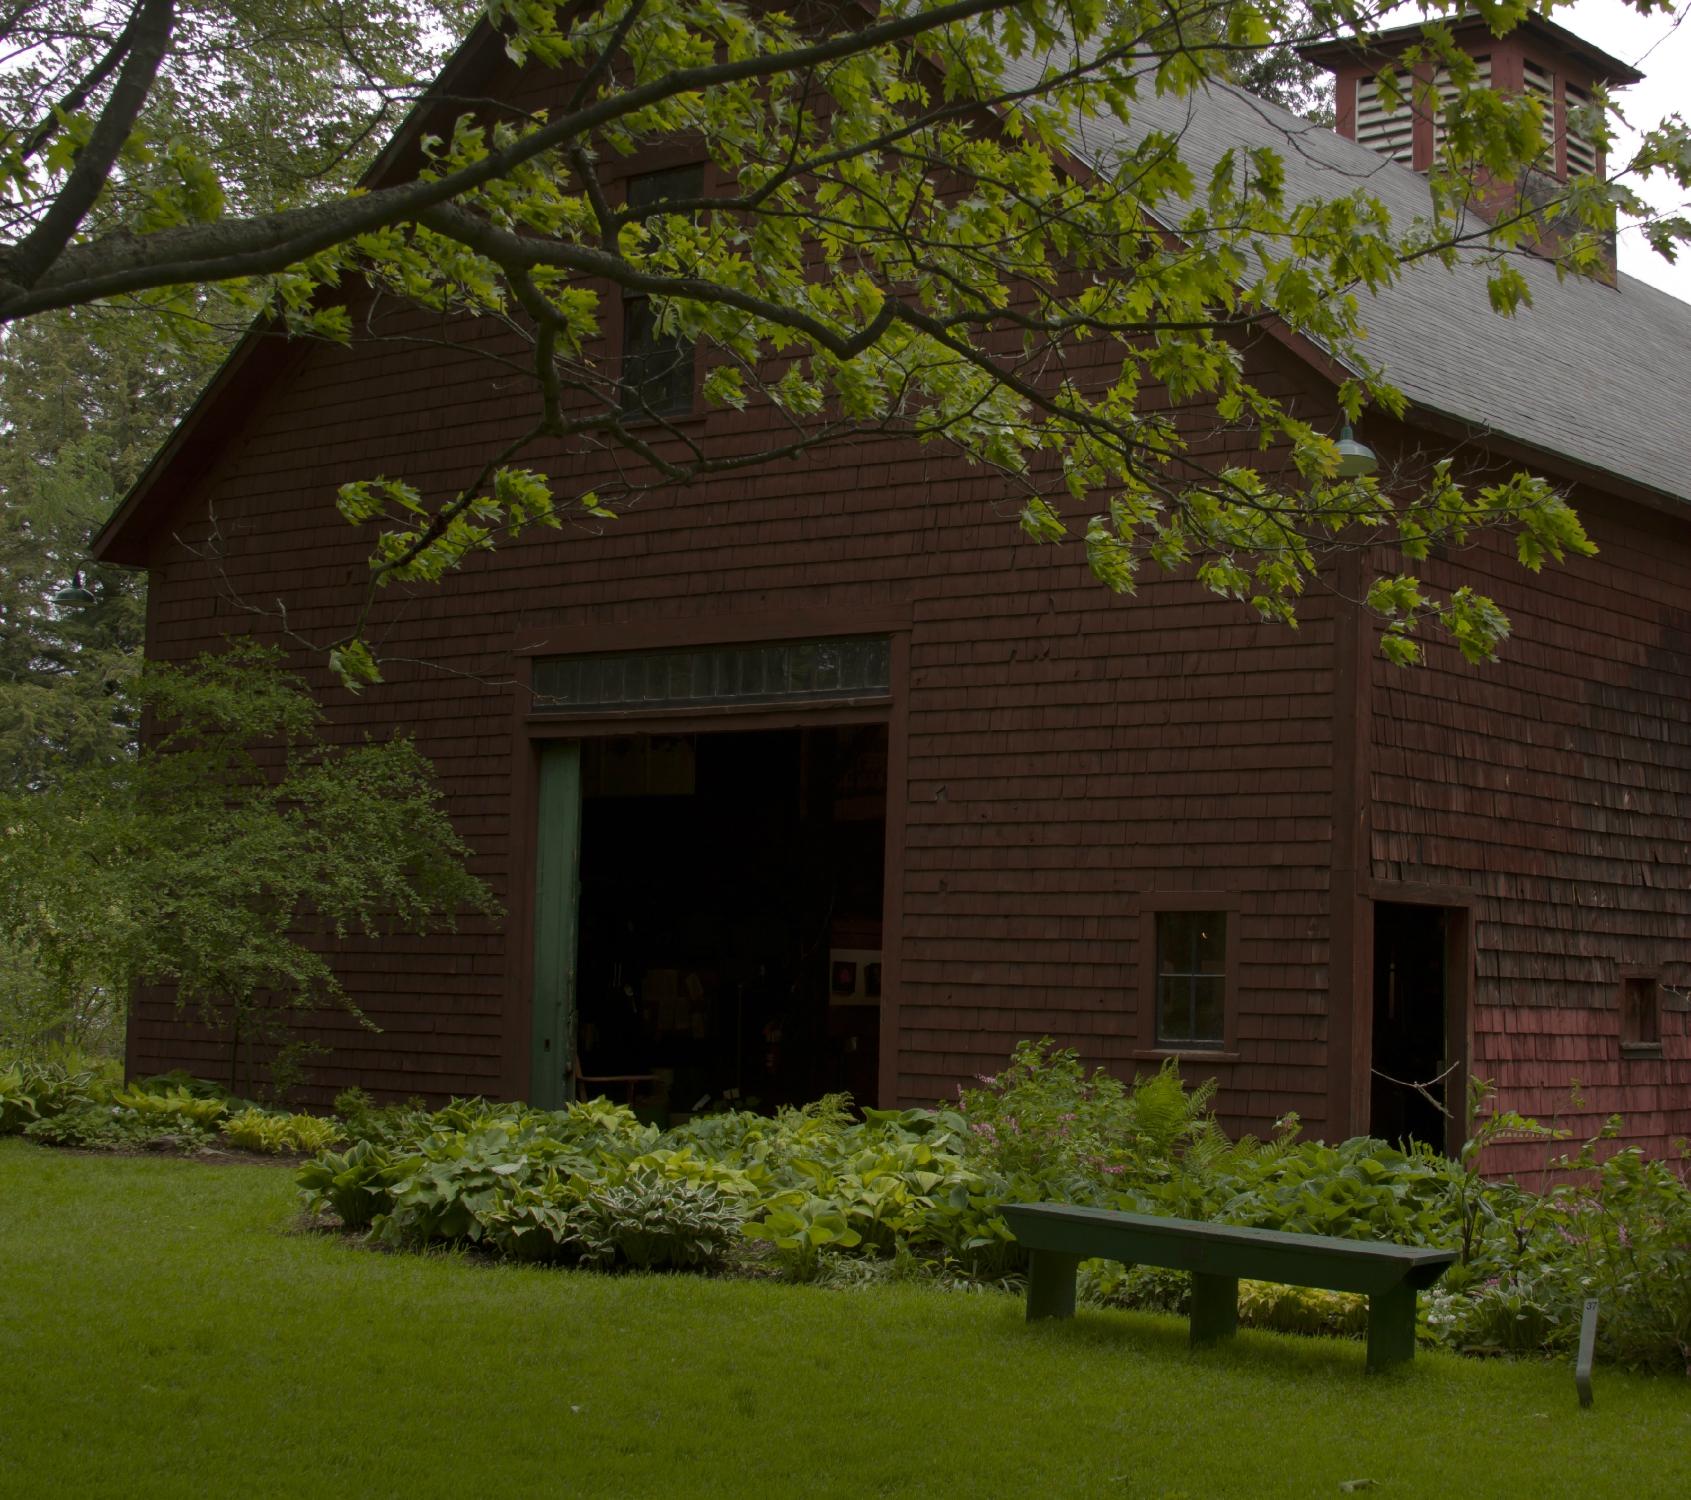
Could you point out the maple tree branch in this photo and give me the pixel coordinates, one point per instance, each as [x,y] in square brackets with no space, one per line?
[151,27]
[268,243]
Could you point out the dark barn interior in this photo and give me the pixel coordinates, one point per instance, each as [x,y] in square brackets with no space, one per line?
[1409,1095]
[730,917]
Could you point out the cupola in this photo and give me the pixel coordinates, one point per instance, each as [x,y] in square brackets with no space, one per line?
[1537,58]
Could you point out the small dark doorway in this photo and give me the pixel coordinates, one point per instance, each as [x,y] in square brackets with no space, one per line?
[730,911]
[1410,1094]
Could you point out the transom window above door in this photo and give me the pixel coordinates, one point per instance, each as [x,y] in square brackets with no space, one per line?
[813,671]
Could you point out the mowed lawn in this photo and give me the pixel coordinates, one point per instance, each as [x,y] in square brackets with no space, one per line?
[166,1330]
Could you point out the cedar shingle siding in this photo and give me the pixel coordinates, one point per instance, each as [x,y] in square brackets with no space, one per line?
[1058,757]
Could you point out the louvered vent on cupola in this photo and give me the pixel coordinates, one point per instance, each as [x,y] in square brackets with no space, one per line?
[1582,153]
[1447,91]
[1390,131]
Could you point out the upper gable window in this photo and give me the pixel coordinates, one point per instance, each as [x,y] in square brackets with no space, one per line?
[657,368]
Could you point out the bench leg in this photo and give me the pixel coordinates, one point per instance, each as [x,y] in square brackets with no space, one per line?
[1391,1327]
[1051,1284]
[1215,1308]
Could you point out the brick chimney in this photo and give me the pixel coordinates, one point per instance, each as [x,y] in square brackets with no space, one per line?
[1538,58]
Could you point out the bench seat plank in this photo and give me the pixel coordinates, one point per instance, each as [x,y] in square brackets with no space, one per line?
[1058,1236]
[1364,1266]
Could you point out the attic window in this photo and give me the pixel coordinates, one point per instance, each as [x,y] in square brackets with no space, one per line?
[1390,131]
[657,368]
[1582,153]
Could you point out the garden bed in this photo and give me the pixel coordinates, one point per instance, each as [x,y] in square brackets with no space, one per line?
[821,1194]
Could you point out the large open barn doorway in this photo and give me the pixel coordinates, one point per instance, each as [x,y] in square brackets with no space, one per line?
[729,917]
[1412,1098]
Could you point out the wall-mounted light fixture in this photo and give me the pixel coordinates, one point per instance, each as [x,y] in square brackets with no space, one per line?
[75,594]
[1355,459]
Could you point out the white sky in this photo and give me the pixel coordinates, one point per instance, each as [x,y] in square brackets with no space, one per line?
[1659,46]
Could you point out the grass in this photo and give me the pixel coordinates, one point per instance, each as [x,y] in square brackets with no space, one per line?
[164,1330]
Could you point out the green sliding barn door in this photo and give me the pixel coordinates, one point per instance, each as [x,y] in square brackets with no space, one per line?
[556,887]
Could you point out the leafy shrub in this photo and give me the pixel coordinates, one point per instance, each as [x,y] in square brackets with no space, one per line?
[271,1135]
[37,1088]
[1622,1233]
[105,1127]
[1143,1288]
[1360,1189]
[543,1222]
[17,1101]
[394,1126]
[442,1190]
[1505,1315]
[1049,1129]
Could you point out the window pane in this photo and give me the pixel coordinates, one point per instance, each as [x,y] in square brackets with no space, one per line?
[657,369]
[652,188]
[1176,941]
[1207,998]
[1174,1010]
[1210,942]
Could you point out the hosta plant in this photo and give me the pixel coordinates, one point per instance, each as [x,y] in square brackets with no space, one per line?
[177,1105]
[662,1223]
[352,1184]
[272,1135]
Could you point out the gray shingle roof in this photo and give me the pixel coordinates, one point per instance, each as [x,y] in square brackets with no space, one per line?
[1597,374]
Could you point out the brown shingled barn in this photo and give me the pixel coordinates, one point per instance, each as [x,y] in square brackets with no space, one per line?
[823,777]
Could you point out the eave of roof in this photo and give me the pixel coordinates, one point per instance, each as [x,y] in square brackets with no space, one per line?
[1589,373]
[1381,45]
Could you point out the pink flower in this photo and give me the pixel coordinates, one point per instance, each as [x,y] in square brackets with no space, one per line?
[1623,1237]
[989,1079]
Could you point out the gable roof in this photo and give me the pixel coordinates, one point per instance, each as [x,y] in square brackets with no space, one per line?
[1589,373]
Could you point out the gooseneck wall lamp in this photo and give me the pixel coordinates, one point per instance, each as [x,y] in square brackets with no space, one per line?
[75,594]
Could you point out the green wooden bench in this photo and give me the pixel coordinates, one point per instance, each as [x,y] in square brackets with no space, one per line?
[1058,1236]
